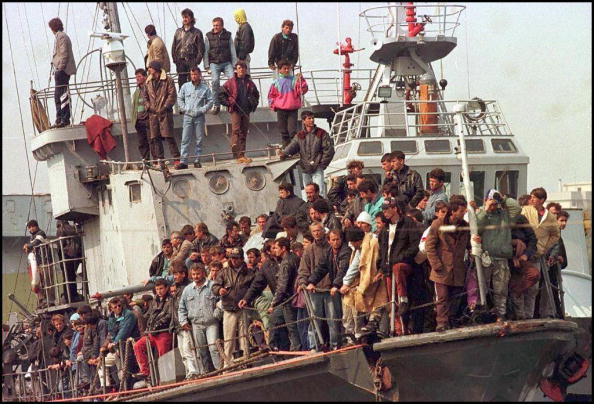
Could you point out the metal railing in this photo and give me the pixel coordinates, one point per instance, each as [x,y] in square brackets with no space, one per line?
[390,21]
[54,266]
[99,96]
[367,120]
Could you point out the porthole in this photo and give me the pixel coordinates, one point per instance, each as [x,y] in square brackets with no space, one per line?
[254,180]
[181,188]
[218,183]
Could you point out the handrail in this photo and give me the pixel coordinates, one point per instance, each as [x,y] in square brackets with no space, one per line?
[444,19]
[491,122]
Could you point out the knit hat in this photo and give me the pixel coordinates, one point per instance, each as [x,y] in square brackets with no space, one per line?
[74,317]
[155,64]
[364,217]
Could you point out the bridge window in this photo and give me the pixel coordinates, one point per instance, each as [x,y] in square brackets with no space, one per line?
[506,182]
[503,146]
[437,146]
[370,148]
[405,146]
[473,145]
[342,151]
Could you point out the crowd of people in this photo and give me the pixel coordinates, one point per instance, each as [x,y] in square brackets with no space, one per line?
[387,257]
[156,99]
[326,271]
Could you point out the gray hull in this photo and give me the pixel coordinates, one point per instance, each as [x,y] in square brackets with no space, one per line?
[482,363]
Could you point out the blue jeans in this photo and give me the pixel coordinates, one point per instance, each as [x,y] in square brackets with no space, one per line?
[316,177]
[207,335]
[192,125]
[216,70]
[327,306]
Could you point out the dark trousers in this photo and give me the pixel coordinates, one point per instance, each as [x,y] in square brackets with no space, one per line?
[142,128]
[287,124]
[161,124]
[70,292]
[182,69]
[290,315]
[302,327]
[62,97]
[446,306]
[239,130]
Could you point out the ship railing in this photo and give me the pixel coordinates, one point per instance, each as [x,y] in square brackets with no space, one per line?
[40,385]
[414,119]
[325,87]
[390,21]
[58,269]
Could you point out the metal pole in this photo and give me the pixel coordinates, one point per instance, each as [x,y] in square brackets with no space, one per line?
[338,47]
[111,10]
[561,292]
[24,310]
[459,109]
[122,110]
[393,306]
[316,327]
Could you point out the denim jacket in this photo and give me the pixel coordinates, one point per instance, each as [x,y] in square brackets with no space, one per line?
[197,304]
[195,100]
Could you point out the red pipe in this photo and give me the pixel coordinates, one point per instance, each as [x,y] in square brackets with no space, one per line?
[411,18]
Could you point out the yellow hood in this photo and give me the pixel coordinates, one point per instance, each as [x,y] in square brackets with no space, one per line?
[239,15]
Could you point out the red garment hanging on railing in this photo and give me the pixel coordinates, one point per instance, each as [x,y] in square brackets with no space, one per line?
[99,135]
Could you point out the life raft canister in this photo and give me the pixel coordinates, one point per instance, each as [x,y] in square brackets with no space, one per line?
[428,105]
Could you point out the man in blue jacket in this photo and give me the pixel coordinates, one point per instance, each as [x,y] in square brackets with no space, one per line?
[194,100]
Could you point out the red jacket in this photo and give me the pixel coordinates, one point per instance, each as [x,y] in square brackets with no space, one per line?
[99,135]
[229,94]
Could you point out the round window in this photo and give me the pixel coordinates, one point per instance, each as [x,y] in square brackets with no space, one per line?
[181,188]
[254,179]
[218,183]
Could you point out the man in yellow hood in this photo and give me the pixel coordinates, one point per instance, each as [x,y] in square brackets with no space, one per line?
[244,38]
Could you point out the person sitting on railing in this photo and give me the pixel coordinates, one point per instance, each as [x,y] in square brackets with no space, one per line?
[64,66]
[244,38]
[195,99]
[219,57]
[315,148]
[156,49]
[34,256]
[240,95]
[283,46]
[159,98]
[157,328]
[187,49]
[284,97]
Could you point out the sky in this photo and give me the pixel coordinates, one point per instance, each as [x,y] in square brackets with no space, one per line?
[535,59]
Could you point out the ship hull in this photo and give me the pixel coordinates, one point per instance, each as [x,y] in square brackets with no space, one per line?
[483,363]
[494,362]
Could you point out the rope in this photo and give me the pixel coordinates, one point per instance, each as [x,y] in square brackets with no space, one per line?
[132,28]
[149,11]
[86,63]
[172,16]
[49,49]
[31,42]
[25,44]
[24,140]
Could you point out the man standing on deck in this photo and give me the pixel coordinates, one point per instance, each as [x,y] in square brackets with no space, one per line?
[437,189]
[315,148]
[244,38]
[547,233]
[219,57]
[195,99]
[139,117]
[284,97]
[156,49]
[64,66]
[283,46]
[187,49]
[408,180]
[241,97]
[160,97]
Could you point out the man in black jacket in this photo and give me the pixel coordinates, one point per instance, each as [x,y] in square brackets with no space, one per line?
[399,244]
[244,38]
[283,46]
[334,264]
[288,205]
[187,49]
[320,212]
[204,239]
[219,57]
[158,327]
[410,183]
[160,264]
[286,277]
[315,148]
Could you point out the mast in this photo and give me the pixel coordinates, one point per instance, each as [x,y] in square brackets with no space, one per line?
[116,61]
[460,109]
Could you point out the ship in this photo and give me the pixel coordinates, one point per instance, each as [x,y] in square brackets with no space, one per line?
[124,207]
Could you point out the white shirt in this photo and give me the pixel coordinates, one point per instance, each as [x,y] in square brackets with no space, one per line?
[391,235]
